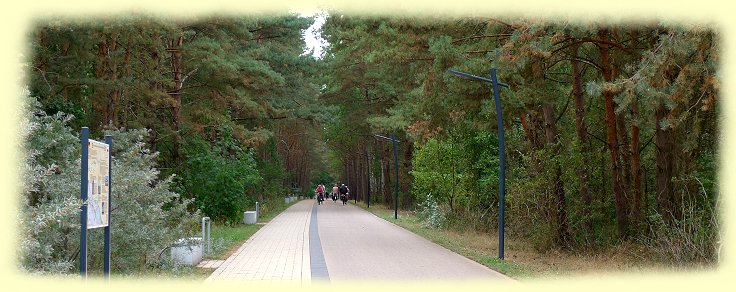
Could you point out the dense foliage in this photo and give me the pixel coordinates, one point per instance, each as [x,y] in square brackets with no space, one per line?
[220,97]
[219,177]
[210,102]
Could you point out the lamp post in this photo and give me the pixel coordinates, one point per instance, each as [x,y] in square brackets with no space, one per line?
[502,152]
[368,165]
[396,168]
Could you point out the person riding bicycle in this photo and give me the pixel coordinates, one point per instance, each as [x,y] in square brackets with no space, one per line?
[320,193]
[344,192]
[335,191]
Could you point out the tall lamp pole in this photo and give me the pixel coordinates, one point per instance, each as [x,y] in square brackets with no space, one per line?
[396,168]
[501,149]
[368,164]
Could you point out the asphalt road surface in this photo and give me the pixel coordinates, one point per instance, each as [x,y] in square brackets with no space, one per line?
[357,245]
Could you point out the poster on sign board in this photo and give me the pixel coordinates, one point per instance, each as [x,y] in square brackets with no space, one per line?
[98,184]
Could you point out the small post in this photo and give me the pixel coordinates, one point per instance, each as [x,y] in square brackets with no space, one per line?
[83,212]
[206,244]
[106,265]
[258,211]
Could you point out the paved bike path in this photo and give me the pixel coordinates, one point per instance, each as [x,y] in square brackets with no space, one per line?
[358,245]
[342,243]
[278,252]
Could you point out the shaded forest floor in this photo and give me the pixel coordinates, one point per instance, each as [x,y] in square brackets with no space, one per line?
[522,261]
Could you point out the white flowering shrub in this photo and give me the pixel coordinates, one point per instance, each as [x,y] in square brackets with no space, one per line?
[46,213]
[431,214]
[146,216]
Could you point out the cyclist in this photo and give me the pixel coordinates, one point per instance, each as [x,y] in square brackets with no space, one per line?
[344,193]
[320,194]
[335,193]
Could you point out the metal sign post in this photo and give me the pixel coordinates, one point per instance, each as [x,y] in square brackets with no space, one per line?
[106,267]
[83,213]
[96,167]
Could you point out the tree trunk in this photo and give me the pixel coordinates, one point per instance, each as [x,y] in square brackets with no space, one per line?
[176,70]
[389,198]
[407,181]
[363,173]
[582,131]
[126,72]
[345,170]
[611,135]
[385,180]
[355,188]
[532,126]
[111,116]
[636,165]
[147,105]
[349,182]
[359,176]
[525,127]
[371,182]
[563,232]
[101,88]
[623,135]
[665,167]
[625,146]
[40,58]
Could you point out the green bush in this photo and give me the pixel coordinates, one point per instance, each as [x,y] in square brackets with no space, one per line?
[693,238]
[218,177]
[440,168]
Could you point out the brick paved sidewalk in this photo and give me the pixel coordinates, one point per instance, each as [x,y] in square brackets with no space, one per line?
[278,252]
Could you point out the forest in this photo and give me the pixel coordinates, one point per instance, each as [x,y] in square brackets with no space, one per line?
[611,129]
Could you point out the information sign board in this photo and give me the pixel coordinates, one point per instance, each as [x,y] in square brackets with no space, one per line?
[98,184]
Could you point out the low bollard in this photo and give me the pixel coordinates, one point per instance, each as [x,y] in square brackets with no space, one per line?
[206,240]
[258,211]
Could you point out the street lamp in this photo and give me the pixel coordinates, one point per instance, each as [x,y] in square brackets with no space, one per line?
[368,164]
[499,120]
[396,168]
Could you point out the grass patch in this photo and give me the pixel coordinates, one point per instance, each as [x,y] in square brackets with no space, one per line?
[521,260]
[227,239]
